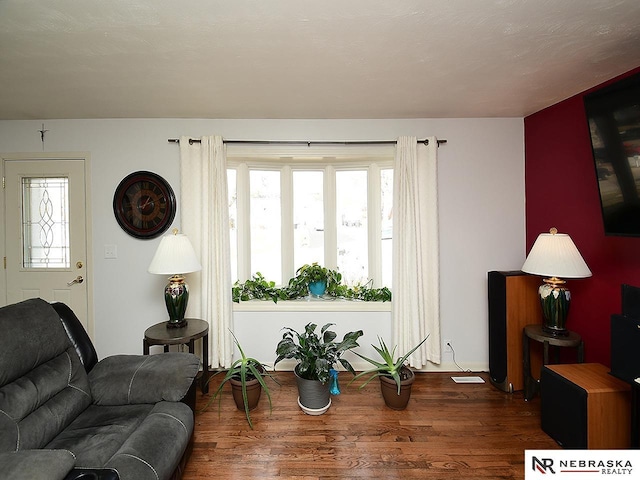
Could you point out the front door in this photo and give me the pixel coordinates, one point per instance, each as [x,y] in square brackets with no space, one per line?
[45,232]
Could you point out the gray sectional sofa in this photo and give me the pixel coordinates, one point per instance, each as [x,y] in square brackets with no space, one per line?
[64,415]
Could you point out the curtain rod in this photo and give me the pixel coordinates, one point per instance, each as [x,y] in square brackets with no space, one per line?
[307,143]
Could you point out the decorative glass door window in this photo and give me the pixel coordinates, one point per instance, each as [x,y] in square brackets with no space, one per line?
[45,223]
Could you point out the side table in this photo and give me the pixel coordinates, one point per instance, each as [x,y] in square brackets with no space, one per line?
[159,334]
[535,332]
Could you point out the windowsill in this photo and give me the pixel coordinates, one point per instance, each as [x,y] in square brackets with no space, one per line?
[312,304]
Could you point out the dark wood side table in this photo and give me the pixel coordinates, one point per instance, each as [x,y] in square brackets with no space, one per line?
[535,332]
[159,334]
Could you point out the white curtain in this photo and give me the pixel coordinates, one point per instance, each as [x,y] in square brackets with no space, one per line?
[204,214]
[416,307]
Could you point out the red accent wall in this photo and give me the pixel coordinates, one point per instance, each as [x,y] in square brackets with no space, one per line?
[562,191]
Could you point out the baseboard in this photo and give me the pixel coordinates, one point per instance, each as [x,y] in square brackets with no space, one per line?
[361,365]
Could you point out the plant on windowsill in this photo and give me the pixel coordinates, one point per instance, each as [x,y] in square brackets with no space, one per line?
[246,377]
[315,278]
[396,378]
[259,288]
[316,356]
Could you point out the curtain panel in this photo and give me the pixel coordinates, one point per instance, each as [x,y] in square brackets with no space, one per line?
[416,297]
[204,217]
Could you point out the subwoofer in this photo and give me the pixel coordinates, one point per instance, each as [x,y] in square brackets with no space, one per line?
[513,303]
[625,336]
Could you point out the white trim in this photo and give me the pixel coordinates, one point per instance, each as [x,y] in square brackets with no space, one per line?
[287,266]
[310,304]
[318,152]
[330,219]
[374,222]
[244,220]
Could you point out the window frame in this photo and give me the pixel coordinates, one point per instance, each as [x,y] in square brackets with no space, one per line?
[329,159]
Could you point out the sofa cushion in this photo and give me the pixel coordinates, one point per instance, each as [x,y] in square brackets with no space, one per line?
[128,379]
[43,385]
[36,464]
[142,440]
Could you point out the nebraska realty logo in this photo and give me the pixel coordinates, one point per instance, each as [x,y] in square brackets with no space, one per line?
[579,464]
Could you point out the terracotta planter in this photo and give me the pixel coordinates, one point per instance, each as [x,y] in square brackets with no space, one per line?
[389,389]
[254,390]
[313,393]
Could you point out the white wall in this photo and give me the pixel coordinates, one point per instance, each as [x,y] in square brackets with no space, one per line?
[481,208]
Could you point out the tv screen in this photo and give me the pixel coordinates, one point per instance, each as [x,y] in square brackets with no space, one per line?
[613,113]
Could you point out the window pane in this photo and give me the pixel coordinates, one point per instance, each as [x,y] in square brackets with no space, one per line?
[351,218]
[265,223]
[386,187]
[308,218]
[232,191]
[45,222]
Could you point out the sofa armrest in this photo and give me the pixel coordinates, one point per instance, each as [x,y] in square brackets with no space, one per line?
[36,464]
[131,379]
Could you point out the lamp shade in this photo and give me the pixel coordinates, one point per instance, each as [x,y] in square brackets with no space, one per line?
[175,255]
[555,255]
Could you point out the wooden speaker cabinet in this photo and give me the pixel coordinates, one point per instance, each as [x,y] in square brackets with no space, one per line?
[583,406]
[513,303]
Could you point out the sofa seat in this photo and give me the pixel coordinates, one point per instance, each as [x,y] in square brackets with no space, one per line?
[124,415]
[135,436]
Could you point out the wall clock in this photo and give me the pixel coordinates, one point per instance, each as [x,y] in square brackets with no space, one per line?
[144,204]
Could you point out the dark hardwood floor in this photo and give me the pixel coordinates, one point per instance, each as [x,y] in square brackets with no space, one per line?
[448,431]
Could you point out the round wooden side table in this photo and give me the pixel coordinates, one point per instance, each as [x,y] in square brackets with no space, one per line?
[536,332]
[195,328]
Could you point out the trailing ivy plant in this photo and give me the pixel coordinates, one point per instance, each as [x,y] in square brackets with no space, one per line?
[259,288]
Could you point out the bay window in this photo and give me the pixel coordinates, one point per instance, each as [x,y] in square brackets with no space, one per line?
[285,212]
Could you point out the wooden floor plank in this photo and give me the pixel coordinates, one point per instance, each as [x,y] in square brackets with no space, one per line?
[449,431]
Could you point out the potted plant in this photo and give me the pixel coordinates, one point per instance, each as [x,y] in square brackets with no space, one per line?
[316,278]
[303,283]
[396,378]
[246,376]
[316,355]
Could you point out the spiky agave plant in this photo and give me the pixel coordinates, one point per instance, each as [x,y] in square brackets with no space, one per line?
[243,369]
[388,367]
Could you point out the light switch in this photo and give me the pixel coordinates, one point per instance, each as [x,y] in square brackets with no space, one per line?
[110,251]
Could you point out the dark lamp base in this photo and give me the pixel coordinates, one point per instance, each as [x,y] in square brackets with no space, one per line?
[177,324]
[555,300]
[555,332]
[176,296]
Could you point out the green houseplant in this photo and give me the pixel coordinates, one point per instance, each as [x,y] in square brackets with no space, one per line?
[395,377]
[246,377]
[259,288]
[316,355]
[316,279]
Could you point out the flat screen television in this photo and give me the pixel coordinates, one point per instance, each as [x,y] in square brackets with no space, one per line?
[613,113]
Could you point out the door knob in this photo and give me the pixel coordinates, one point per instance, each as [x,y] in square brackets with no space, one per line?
[78,279]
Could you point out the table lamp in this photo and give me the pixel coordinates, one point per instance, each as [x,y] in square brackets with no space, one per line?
[175,256]
[555,255]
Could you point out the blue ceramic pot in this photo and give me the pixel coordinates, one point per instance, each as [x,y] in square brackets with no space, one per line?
[317,289]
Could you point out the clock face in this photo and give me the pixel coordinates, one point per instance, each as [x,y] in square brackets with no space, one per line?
[144,204]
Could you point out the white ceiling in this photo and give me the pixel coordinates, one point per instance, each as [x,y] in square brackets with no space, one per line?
[307,58]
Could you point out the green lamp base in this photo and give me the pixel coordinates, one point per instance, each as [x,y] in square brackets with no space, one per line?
[176,297]
[555,300]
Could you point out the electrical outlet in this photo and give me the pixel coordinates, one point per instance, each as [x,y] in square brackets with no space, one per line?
[448,346]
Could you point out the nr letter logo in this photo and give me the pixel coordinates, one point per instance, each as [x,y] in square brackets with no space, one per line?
[542,465]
